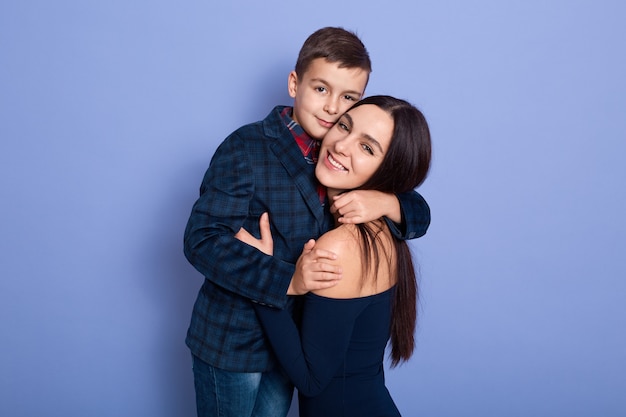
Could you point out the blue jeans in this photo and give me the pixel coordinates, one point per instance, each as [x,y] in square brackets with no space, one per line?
[221,393]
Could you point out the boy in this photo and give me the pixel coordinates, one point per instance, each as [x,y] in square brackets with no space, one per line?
[268,166]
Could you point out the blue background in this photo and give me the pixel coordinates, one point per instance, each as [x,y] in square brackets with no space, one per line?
[110,112]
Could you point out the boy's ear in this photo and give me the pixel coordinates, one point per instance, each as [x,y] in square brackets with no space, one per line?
[292,84]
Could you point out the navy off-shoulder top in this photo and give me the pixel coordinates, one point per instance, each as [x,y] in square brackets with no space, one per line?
[336,358]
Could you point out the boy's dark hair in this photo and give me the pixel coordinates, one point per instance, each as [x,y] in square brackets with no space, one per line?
[335,44]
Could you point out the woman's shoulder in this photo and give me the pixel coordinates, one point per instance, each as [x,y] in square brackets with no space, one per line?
[342,239]
[345,242]
[347,239]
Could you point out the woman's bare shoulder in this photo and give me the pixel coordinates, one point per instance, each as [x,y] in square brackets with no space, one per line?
[342,239]
[357,279]
[343,242]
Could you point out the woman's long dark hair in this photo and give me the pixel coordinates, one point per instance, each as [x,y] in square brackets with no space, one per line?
[404,167]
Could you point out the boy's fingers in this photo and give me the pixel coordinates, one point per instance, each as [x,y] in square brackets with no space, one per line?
[308,247]
[322,272]
[331,269]
[350,219]
[326,284]
[323,254]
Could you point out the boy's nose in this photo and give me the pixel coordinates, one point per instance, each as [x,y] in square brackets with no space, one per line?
[331,106]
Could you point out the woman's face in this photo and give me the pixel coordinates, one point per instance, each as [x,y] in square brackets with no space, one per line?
[354,148]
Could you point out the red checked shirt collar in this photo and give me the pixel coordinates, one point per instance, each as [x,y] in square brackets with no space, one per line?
[309,147]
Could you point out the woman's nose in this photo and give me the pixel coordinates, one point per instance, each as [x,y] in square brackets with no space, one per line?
[342,146]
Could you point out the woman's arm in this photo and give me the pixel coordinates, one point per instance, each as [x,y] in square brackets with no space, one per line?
[312,356]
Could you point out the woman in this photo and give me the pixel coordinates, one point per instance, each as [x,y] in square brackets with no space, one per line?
[336,358]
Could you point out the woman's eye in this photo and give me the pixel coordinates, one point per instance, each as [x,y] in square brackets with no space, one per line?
[368,149]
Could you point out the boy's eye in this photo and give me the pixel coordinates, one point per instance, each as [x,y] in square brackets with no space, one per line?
[350,98]
[343,126]
[320,89]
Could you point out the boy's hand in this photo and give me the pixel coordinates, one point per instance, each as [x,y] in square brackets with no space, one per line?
[313,270]
[362,206]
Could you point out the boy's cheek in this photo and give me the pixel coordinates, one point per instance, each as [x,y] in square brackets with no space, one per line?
[345,107]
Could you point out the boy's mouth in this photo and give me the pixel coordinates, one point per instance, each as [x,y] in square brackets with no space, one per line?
[324,123]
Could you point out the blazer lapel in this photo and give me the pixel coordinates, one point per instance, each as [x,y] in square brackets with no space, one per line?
[290,156]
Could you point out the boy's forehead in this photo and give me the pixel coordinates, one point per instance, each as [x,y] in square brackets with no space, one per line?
[330,73]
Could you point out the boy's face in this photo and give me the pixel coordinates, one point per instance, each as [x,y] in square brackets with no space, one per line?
[324,93]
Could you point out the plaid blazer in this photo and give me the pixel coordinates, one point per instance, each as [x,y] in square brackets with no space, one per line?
[258,168]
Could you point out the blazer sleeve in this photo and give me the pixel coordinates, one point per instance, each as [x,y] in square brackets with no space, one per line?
[219,213]
[313,356]
[415,217]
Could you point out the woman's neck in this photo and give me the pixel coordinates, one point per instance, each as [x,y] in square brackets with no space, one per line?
[332,192]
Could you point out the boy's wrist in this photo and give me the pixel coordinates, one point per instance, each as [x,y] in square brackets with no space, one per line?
[393,212]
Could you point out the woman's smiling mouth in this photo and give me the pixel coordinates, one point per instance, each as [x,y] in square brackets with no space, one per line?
[334,163]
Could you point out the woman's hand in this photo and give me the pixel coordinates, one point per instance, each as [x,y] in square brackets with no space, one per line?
[266,243]
[315,269]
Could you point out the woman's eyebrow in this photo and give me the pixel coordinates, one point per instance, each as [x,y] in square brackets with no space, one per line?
[366,136]
[373,141]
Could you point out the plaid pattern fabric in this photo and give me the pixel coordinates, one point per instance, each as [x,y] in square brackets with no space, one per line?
[257,169]
[309,147]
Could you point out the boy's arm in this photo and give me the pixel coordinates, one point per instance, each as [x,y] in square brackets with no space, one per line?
[314,268]
[407,214]
[415,216]
[217,215]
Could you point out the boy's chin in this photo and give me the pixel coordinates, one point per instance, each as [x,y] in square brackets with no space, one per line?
[316,131]
[319,133]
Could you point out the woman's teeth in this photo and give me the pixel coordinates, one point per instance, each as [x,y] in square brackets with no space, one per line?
[335,163]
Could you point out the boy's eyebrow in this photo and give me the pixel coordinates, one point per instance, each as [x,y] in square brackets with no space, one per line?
[365,135]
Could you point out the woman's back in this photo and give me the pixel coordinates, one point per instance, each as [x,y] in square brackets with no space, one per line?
[347,336]
[336,359]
